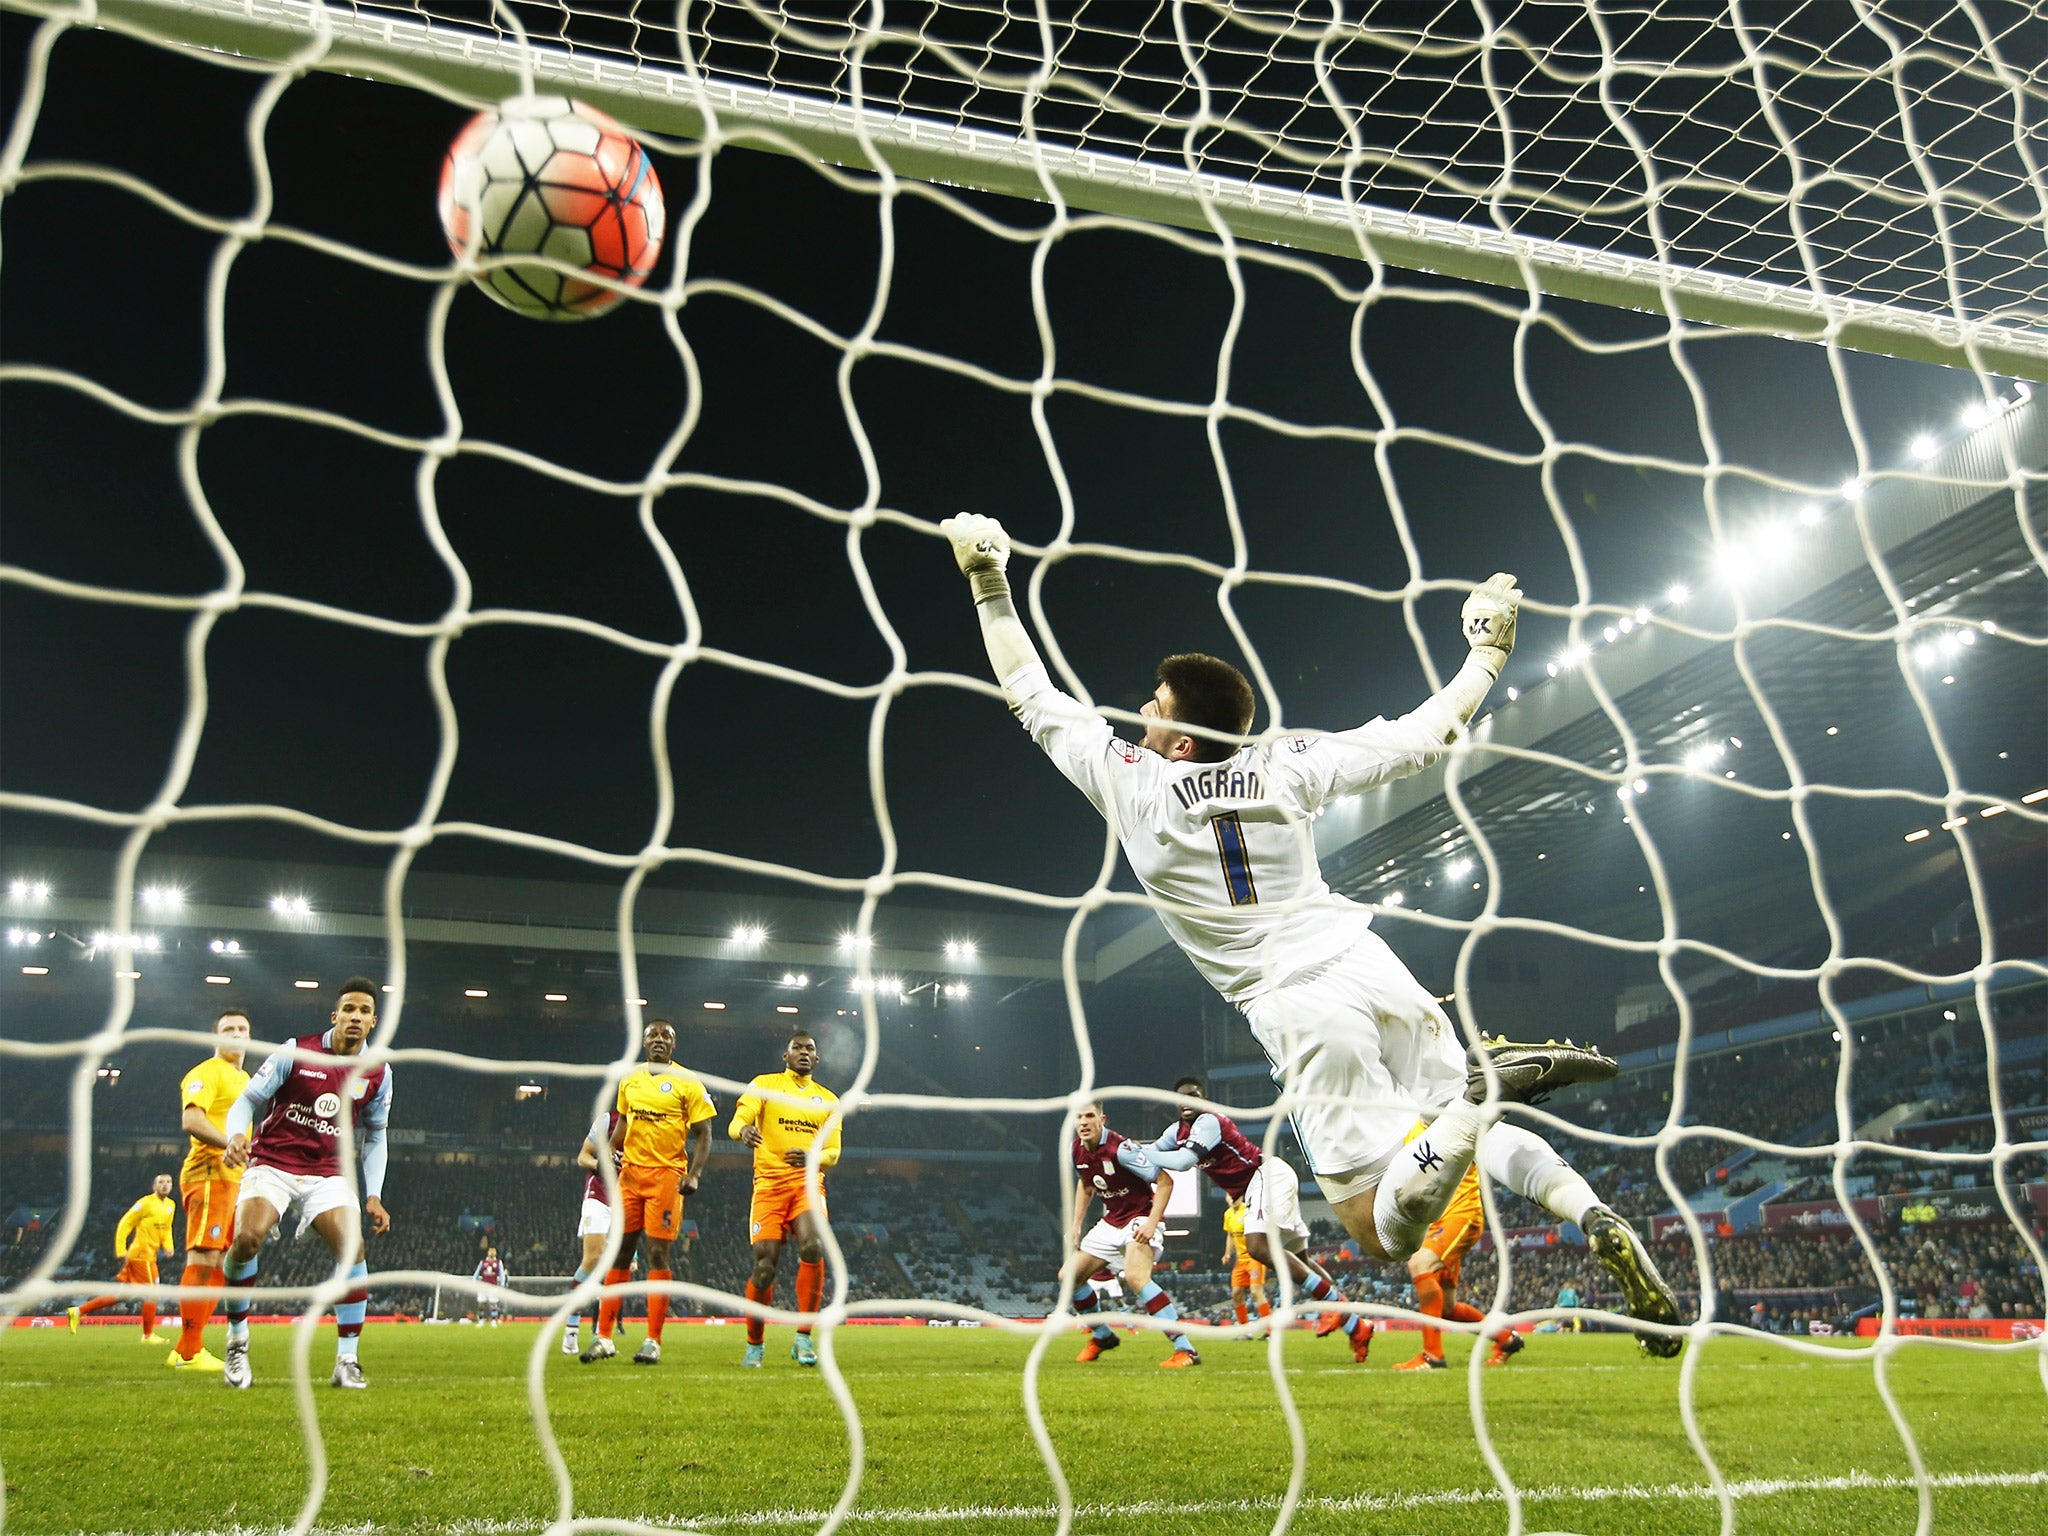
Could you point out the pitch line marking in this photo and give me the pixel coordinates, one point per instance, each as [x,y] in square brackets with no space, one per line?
[1360,1503]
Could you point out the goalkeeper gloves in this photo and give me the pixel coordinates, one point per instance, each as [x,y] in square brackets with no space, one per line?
[982,551]
[1489,620]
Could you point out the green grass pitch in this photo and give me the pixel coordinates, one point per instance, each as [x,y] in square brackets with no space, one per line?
[96,1435]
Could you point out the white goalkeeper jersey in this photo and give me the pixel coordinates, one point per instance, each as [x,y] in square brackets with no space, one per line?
[1227,847]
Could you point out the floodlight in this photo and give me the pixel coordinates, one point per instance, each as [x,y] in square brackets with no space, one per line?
[1731,563]
[1775,541]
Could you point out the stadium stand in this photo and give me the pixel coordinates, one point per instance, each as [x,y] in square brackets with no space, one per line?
[962,1207]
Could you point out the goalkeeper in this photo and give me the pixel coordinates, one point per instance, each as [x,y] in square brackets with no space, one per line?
[1218,835]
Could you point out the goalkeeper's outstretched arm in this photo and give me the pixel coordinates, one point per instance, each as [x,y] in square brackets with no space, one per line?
[982,551]
[1489,624]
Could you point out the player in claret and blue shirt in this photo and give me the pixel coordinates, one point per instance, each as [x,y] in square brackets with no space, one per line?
[1271,1193]
[490,1282]
[294,1160]
[1134,1191]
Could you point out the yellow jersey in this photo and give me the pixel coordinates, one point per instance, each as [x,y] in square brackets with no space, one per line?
[147,1227]
[660,1104]
[787,1126]
[213,1086]
[1233,1228]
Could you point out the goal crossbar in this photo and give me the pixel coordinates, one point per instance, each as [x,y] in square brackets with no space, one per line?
[477,68]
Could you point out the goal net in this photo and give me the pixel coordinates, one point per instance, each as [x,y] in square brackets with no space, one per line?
[626,661]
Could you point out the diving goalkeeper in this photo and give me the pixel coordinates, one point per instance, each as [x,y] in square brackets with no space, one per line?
[1218,835]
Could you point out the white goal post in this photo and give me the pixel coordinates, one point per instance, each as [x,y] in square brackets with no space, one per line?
[1998,327]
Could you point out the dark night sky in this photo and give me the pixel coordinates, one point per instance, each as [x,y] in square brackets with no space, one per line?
[337,720]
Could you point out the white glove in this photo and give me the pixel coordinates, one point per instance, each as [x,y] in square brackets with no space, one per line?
[982,551]
[1489,619]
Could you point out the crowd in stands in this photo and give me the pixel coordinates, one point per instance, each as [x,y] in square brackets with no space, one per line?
[982,1243]
[986,1233]
[1927,936]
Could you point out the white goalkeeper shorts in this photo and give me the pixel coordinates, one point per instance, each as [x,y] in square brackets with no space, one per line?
[1107,1242]
[596,1220]
[315,1194]
[1272,1203]
[1364,1051]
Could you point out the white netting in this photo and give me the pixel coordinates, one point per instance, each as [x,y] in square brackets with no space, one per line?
[1872,166]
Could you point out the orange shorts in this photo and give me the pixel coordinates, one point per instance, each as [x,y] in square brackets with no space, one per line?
[210,1213]
[136,1271]
[776,1208]
[1460,1226]
[1247,1275]
[651,1201]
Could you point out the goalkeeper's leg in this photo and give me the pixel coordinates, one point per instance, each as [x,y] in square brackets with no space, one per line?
[1363,1047]
[1532,1168]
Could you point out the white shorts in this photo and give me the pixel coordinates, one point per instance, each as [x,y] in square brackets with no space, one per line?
[315,1194]
[1108,1243]
[1272,1203]
[1364,1052]
[596,1220]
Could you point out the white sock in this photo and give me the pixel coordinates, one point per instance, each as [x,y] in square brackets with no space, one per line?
[1530,1166]
[1424,1175]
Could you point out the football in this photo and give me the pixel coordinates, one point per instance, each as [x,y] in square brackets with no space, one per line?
[549,177]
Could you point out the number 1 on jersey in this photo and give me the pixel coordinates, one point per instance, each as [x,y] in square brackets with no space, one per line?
[1237,859]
